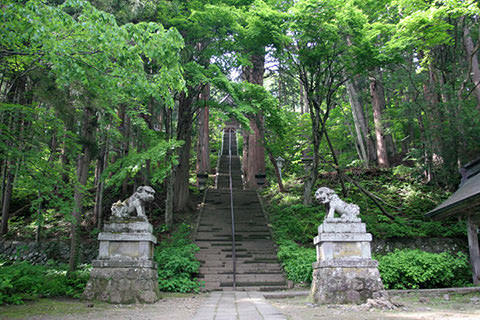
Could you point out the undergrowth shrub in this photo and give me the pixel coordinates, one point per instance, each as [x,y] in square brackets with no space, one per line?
[416,269]
[177,265]
[296,261]
[23,281]
[404,198]
[295,222]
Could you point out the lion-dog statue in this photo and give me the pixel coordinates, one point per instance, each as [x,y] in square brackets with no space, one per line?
[347,211]
[135,204]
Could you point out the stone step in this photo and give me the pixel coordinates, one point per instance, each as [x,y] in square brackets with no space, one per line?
[240,257]
[228,265]
[263,246]
[257,267]
[215,286]
[241,269]
[246,279]
[260,284]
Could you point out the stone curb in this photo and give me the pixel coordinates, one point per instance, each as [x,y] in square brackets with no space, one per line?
[200,213]
[305,293]
[437,291]
[285,294]
[265,214]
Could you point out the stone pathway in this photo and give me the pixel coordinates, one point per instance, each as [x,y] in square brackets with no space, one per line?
[237,305]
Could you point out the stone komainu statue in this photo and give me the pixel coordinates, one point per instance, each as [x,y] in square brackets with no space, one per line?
[134,204]
[347,211]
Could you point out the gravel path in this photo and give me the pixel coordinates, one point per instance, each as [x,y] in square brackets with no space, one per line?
[165,309]
[464,307]
[169,308]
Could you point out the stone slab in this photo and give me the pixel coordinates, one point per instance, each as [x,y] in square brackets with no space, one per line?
[343,250]
[342,237]
[342,227]
[109,236]
[125,250]
[128,227]
[346,263]
[124,264]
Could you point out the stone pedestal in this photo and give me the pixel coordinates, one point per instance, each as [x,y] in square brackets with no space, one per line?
[344,271]
[124,271]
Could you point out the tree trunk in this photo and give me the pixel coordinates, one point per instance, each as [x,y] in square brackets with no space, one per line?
[435,118]
[277,171]
[40,219]
[15,95]
[378,103]
[358,120]
[389,142]
[125,130]
[7,195]
[472,59]
[245,135]
[3,178]
[182,171]
[203,146]
[311,169]
[303,100]
[102,162]
[169,200]
[87,133]
[256,155]
[64,160]
[171,178]
[307,190]
[337,165]
[255,162]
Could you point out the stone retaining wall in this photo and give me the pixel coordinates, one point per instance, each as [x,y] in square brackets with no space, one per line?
[434,245]
[40,253]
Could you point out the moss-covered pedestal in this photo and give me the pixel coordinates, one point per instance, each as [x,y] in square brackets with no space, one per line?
[344,271]
[124,271]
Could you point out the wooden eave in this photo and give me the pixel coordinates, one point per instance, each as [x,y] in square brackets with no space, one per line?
[463,202]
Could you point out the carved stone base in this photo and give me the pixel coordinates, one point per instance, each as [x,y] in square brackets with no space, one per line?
[123,285]
[124,271]
[350,281]
[344,271]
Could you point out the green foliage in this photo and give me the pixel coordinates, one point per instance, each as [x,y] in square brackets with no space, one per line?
[86,47]
[177,265]
[296,261]
[295,222]
[24,281]
[130,165]
[416,269]
[408,198]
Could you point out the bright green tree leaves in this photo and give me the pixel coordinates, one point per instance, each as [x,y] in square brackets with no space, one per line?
[82,45]
[424,25]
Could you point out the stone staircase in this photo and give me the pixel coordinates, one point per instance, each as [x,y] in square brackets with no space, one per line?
[257,267]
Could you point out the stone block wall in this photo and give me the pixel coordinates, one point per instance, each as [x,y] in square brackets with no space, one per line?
[40,253]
